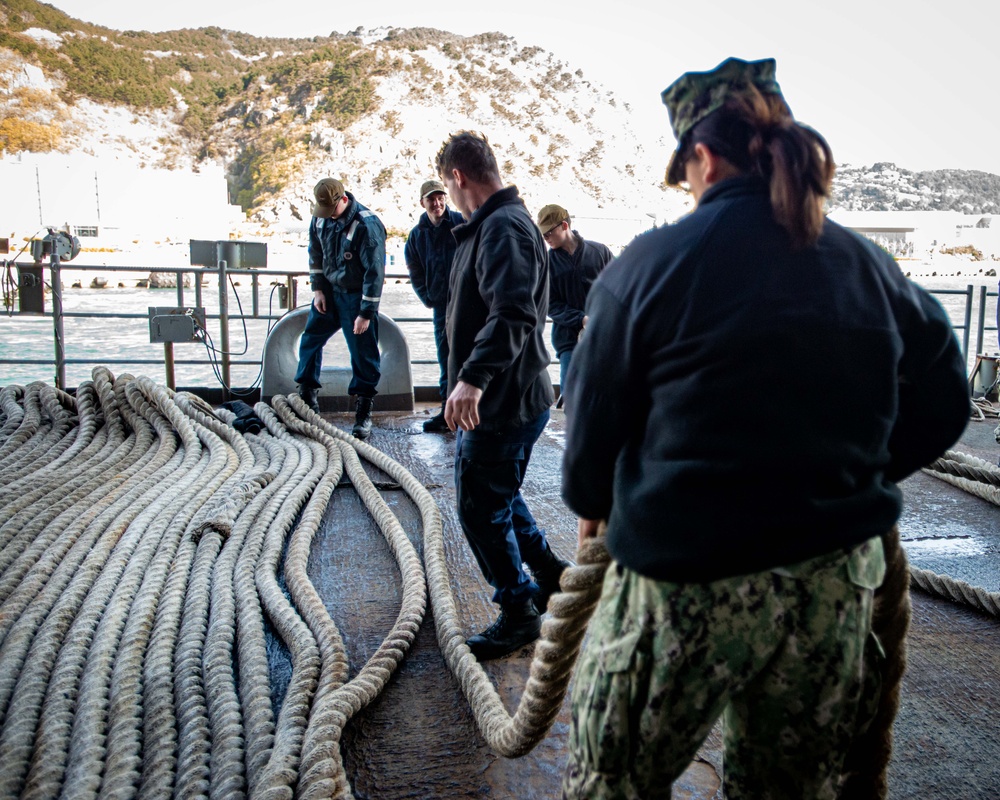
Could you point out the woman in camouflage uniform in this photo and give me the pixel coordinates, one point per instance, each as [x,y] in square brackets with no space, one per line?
[746,551]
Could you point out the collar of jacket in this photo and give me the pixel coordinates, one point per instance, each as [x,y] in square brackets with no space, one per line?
[734,187]
[446,221]
[502,197]
[349,213]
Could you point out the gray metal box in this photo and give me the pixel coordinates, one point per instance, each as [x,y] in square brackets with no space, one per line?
[236,254]
[175,324]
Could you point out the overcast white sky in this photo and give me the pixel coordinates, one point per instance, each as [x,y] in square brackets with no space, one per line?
[911,82]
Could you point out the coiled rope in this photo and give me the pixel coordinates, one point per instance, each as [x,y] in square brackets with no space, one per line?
[139,558]
[141,548]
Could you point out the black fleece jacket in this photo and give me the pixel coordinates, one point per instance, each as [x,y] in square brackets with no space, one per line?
[429,252]
[570,278]
[735,406]
[497,303]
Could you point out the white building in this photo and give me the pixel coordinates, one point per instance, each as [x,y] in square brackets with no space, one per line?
[109,202]
[915,233]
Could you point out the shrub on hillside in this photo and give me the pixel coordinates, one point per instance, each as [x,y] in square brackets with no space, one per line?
[963,250]
[18,135]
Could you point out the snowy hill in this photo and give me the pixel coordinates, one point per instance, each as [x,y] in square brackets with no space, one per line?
[371,108]
[886,187]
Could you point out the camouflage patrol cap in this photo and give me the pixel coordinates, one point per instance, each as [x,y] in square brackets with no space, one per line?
[327,193]
[695,95]
[550,216]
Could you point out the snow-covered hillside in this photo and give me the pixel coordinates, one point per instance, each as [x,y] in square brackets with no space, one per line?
[557,136]
[280,124]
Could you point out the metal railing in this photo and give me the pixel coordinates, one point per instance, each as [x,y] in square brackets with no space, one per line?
[184,295]
[973,313]
[973,301]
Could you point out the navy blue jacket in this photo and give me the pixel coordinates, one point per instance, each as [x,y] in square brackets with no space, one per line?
[429,252]
[347,254]
[735,406]
[496,313]
[570,279]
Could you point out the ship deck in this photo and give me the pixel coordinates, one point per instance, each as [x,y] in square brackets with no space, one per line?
[419,738]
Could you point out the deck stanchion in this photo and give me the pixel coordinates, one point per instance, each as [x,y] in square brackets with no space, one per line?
[224,329]
[57,322]
[168,364]
[982,320]
[968,322]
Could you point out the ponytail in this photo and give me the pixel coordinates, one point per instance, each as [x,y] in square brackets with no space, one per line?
[758,135]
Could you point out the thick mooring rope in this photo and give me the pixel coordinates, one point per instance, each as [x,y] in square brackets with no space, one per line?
[978,477]
[140,548]
[555,653]
[957,590]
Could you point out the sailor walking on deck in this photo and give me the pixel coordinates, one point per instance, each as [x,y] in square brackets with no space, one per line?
[746,552]
[499,390]
[346,270]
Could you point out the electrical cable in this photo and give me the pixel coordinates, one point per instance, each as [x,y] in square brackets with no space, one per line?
[214,352]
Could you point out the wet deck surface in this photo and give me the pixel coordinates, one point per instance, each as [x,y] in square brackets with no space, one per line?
[419,739]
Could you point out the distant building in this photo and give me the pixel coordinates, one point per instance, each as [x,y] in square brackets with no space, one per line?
[908,234]
[106,202]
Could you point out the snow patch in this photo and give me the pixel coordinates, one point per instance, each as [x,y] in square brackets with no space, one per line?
[43,36]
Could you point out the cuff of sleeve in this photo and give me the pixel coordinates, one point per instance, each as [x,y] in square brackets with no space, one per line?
[476,379]
[585,507]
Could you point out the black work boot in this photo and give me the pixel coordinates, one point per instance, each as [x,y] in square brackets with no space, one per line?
[363,417]
[436,424]
[310,395]
[518,624]
[547,577]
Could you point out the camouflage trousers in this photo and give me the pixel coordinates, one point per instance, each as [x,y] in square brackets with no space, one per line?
[787,657]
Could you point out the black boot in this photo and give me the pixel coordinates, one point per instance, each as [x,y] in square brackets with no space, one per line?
[436,424]
[547,576]
[518,624]
[310,395]
[363,417]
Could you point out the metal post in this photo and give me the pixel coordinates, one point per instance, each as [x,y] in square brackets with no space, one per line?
[982,320]
[255,294]
[57,322]
[224,326]
[197,291]
[292,285]
[168,363]
[180,290]
[968,323]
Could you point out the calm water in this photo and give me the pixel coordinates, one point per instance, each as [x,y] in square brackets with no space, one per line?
[97,340]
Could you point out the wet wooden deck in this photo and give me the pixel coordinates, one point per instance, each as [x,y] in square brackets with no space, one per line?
[419,739]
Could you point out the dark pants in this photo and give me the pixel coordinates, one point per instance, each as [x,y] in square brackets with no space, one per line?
[564,358]
[441,340]
[341,310]
[489,471]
